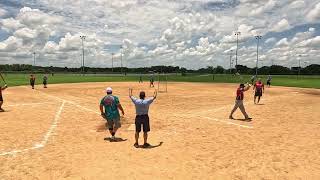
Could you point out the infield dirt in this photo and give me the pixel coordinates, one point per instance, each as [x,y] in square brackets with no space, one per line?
[57,133]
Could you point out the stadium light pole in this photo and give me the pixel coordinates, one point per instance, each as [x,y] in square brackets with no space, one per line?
[82,37]
[237,34]
[34,58]
[258,39]
[299,65]
[121,49]
[112,54]
[231,61]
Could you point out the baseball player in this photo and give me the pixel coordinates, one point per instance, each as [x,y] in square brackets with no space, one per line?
[259,90]
[239,101]
[111,106]
[32,80]
[45,81]
[269,80]
[152,80]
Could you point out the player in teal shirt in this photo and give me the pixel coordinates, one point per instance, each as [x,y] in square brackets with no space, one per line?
[109,107]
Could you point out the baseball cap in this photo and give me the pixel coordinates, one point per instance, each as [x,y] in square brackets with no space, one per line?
[109,90]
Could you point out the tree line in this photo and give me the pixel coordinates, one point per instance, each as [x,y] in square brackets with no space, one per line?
[313,69]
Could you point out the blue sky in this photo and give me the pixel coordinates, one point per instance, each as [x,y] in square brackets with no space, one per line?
[189,33]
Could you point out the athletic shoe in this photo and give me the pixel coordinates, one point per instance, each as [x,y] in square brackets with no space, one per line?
[136,145]
[1,110]
[230,117]
[146,145]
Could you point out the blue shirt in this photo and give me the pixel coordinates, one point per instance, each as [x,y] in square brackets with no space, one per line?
[142,105]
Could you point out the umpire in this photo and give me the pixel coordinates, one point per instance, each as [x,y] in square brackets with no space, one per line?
[142,119]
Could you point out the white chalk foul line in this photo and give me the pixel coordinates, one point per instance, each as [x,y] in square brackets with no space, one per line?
[70,102]
[45,138]
[28,104]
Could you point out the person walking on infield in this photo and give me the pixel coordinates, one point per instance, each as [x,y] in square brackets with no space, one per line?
[239,101]
[111,105]
[1,98]
[32,80]
[45,81]
[269,80]
[142,118]
[259,90]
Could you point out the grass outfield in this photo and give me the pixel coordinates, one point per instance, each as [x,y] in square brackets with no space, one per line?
[285,80]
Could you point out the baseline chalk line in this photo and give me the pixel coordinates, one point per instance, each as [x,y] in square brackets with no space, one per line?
[45,138]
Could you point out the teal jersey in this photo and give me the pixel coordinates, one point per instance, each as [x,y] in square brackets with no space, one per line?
[110,104]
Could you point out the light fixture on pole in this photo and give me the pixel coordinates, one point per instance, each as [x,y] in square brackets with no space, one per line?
[238,33]
[82,39]
[258,39]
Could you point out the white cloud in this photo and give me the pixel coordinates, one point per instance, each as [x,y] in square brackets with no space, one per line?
[314,14]
[2,12]
[281,26]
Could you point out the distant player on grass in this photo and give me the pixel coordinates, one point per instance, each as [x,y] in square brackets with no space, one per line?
[239,101]
[111,105]
[142,118]
[32,80]
[259,90]
[1,98]
[269,80]
[45,81]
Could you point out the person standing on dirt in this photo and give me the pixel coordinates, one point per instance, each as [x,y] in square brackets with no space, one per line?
[142,118]
[152,80]
[1,98]
[111,105]
[269,80]
[45,81]
[32,80]
[259,89]
[239,101]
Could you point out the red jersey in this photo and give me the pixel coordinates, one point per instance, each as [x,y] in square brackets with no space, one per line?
[259,86]
[240,94]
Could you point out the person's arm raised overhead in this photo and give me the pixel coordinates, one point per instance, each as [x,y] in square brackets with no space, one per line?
[155,94]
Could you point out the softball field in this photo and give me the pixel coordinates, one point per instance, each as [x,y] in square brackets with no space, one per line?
[57,133]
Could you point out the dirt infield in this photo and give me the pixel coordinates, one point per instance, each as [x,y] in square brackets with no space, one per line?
[57,133]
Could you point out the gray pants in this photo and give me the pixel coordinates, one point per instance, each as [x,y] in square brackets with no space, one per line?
[239,104]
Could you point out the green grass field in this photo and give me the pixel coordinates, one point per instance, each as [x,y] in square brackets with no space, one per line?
[286,80]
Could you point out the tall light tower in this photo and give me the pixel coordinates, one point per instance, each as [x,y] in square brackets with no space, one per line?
[258,39]
[121,49]
[112,54]
[231,61]
[34,58]
[237,34]
[82,39]
[299,65]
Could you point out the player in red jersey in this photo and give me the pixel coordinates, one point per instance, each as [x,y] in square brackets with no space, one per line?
[239,101]
[259,90]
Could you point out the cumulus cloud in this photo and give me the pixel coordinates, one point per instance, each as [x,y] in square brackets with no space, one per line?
[314,14]
[157,32]
[281,26]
